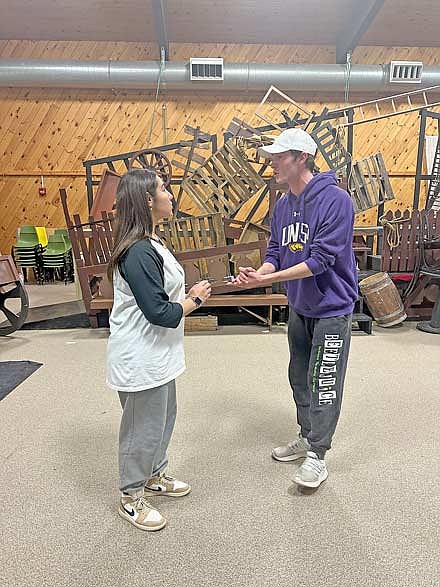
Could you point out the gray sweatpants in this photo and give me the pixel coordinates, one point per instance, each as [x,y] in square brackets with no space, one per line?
[319,350]
[147,424]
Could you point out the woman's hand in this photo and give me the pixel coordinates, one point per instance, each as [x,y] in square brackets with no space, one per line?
[201,290]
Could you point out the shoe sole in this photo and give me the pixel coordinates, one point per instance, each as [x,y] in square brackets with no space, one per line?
[289,458]
[168,493]
[124,515]
[311,485]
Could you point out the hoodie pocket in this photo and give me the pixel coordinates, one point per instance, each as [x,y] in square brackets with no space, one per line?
[310,295]
[320,292]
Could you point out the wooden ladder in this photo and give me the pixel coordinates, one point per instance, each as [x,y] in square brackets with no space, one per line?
[387,107]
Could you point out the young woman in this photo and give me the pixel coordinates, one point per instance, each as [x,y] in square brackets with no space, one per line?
[145,348]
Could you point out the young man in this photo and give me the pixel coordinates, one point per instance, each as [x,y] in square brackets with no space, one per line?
[310,248]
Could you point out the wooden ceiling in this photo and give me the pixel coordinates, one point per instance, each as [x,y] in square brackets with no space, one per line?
[398,22]
[255,21]
[77,20]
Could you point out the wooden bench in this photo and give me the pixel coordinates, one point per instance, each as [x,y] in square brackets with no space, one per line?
[246,301]
[242,301]
[224,294]
[92,242]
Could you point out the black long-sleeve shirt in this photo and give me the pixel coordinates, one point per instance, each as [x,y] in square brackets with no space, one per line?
[142,268]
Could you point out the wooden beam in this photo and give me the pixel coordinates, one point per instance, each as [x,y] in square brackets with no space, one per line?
[356,26]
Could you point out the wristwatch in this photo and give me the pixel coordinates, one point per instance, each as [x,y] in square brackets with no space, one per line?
[198,302]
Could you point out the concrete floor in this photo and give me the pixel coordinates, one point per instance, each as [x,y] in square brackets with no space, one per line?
[52,293]
[376,521]
[48,301]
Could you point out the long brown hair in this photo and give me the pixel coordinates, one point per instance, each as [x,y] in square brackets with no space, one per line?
[134,221]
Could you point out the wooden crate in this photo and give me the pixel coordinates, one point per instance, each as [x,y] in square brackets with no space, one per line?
[201,323]
[224,182]
[239,128]
[369,184]
[193,232]
[330,146]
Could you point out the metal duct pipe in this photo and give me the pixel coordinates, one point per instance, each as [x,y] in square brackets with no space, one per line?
[237,76]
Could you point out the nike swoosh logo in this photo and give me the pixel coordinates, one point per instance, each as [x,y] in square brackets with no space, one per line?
[158,489]
[129,512]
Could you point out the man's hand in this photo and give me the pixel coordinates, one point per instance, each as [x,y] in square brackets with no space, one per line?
[266,275]
[248,277]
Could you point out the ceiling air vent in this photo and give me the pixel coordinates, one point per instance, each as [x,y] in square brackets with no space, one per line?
[206,68]
[406,72]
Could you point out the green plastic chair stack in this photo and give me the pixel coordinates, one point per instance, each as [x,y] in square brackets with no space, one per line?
[27,238]
[28,250]
[65,234]
[57,258]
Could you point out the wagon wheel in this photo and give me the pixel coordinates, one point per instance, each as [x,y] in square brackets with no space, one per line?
[153,158]
[14,319]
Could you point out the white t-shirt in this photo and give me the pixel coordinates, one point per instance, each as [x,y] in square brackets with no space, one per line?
[141,354]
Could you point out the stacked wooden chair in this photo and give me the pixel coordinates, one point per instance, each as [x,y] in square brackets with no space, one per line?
[92,243]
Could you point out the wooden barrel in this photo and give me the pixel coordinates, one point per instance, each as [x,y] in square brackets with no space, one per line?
[383,299]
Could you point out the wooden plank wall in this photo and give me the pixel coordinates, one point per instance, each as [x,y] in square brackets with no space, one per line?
[50,132]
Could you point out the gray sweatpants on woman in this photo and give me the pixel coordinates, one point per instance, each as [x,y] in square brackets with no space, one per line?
[319,350]
[147,424]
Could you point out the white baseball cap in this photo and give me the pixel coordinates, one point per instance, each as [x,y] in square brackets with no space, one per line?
[292,139]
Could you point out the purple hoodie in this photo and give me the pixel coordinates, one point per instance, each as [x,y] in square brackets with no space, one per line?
[316,227]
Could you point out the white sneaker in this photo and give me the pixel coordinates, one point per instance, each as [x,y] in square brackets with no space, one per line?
[140,513]
[166,485]
[312,472]
[296,449]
